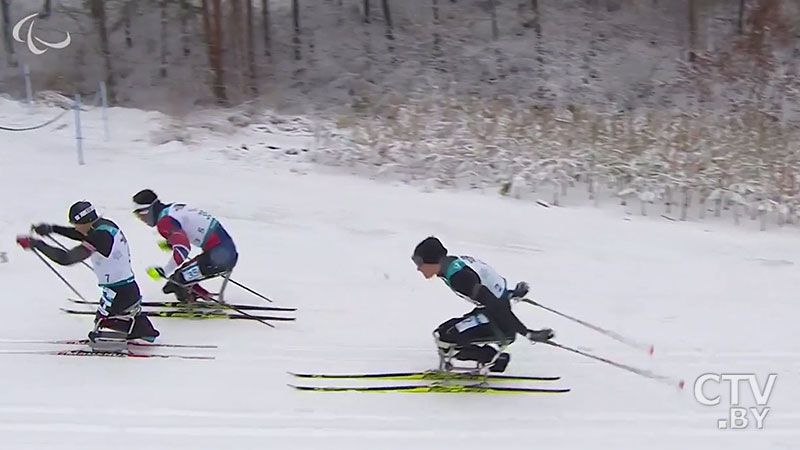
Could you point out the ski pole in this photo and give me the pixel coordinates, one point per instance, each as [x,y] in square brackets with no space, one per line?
[240,311]
[645,373]
[627,341]
[249,290]
[58,274]
[211,297]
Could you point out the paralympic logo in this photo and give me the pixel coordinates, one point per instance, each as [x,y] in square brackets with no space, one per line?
[31,40]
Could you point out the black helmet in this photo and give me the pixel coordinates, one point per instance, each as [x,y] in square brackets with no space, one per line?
[429,251]
[146,206]
[82,212]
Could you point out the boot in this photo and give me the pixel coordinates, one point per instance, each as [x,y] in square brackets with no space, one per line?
[500,363]
[143,329]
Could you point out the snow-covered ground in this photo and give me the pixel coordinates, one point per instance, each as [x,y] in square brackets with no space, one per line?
[710,297]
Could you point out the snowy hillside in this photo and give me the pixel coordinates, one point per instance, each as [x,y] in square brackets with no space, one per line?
[710,297]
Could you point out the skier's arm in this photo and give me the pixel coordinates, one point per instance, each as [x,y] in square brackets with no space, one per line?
[62,257]
[68,232]
[466,282]
[177,239]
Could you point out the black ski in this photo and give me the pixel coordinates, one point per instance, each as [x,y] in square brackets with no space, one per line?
[196,305]
[103,354]
[435,388]
[180,314]
[86,342]
[423,375]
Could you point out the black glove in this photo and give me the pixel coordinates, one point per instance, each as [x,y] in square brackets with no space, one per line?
[43,229]
[540,335]
[521,290]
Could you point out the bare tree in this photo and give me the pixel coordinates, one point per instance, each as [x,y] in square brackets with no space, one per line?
[212,22]
[437,50]
[47,9]
[741,16]
[537,27]
[186,12]
[127,11]
[493,14]
[296,20]
[387,16]
[251,50]
[98,10]
[11,57]
[265,26]
[692,29]
[235,47]
[164,25]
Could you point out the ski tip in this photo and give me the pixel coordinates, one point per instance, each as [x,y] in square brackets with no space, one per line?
[652,349]
[681,384]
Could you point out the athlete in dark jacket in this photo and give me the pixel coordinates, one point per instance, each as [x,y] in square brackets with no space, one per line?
[473,337]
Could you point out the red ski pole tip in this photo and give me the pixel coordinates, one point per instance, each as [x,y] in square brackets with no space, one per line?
[681,384]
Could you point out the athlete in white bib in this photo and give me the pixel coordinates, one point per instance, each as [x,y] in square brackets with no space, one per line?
[484,332]
[183,226]
[102,242]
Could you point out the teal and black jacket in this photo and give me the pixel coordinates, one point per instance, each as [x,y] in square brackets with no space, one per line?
[467,284]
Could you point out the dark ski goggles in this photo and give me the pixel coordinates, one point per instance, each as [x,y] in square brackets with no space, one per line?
[144,213]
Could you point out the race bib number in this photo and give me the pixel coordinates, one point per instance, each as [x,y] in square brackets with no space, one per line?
[192,273]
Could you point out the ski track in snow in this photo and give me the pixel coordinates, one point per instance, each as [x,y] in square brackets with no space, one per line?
[338,248]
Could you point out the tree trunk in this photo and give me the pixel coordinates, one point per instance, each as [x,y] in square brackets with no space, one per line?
[687,199]
[741,16]
[493,14]
[98,10]
[212,22]
[692,30]
[366,11]
[236,47]
[251,49]
[11,57]
[537,27]
[128,11]
[47,9]
[164,25]
[436,39]
[265,26]
[296,20]
[185,14]
[387,16]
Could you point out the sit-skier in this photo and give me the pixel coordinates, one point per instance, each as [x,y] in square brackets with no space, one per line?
[484,333]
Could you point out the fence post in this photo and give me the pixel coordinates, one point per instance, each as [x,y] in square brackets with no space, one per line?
[104,99]
[78,135]
[26,73]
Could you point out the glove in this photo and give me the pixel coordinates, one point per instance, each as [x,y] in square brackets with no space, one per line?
[521,290]
[26,242]
[540,335]
[43,229]
[156,273]
[164,245]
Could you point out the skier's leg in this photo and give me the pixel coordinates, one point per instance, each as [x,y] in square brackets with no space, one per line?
[217,261]
[471,338]
[117,314]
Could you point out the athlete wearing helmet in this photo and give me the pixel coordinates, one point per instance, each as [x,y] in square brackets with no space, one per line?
[474,336]
[101,240]
[182,226]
